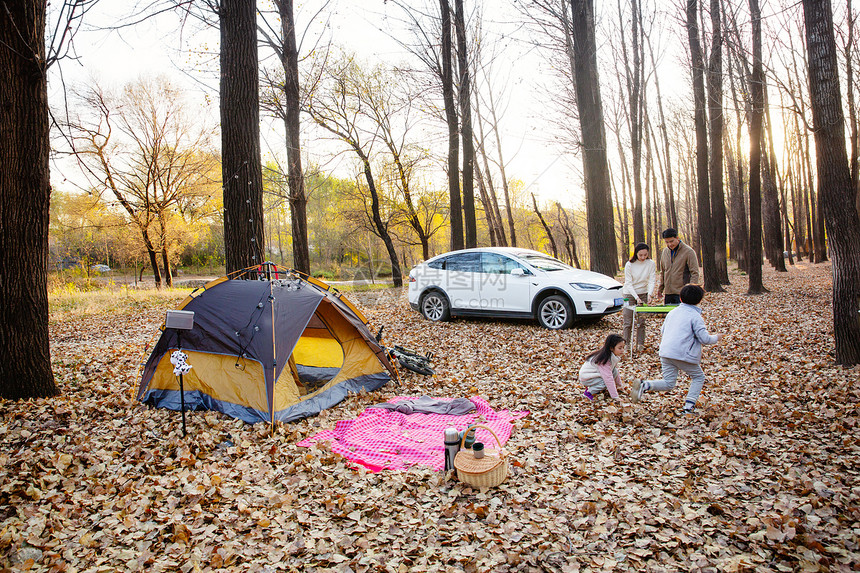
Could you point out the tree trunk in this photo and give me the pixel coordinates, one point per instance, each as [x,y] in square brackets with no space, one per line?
[25,192]
[625,222]
[796,228]
[601,225]
[469,222]
[568,231]
[770,202]
[456,206]
[165,261]
[671,213]
[809,199]
[715,115]
[485,201]
[619,231]
[770,211]
[796,184]
[689,176]
[658,208]
[814,239]
[153,257]
[786,229]
[797,215]
[658,212]
[636,121]
[624,216]
[649,166]
[494,203]
[567,249]
[488,178]
[834,178]
[241,170]
[737,210]
[545,227]
[703,204]
[738,71]
[852,107]
[381,229]
[757,95]
[295,176]
[815,212]
[508,204]
[280,237]
[411,214]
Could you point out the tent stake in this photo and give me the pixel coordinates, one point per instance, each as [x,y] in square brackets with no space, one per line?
[180,320]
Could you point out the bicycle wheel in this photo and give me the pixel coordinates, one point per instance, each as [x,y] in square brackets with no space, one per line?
[412,361]
[416,366]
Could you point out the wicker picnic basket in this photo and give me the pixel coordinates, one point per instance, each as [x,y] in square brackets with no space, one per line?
[489,471]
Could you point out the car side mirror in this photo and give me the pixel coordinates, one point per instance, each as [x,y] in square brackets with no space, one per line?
[518,272]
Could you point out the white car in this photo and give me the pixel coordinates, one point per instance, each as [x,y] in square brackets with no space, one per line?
[510,282]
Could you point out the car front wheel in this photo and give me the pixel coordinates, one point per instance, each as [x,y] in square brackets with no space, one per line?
[434,306]
[555,312]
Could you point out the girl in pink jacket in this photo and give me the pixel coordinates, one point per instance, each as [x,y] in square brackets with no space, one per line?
[600,370]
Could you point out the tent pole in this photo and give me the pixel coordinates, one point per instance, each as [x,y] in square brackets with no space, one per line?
[274,357]
[181,386]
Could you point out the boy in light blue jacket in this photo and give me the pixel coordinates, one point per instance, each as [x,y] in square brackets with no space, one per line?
[684,333]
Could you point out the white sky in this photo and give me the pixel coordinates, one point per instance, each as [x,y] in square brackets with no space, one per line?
[155,47]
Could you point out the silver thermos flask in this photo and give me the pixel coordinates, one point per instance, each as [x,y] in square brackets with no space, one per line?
[452,446]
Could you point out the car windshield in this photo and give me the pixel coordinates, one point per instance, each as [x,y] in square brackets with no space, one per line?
[545,263]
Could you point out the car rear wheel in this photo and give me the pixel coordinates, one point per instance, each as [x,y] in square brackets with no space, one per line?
[434,306]
[555,312]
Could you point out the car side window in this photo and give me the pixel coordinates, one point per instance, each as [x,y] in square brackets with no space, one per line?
[496,264]
[438,263]
[465,262]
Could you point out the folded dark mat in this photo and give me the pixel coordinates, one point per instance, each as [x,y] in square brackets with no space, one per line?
[428,405]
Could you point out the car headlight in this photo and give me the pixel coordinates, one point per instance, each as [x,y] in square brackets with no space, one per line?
[585,286]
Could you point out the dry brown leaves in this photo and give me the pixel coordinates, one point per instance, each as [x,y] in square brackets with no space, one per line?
[764,479]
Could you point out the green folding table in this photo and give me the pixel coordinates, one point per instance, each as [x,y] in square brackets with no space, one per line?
[648,309]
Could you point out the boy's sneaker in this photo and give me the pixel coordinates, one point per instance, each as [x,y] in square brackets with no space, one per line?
[637,390]
[689,412]
[588,395]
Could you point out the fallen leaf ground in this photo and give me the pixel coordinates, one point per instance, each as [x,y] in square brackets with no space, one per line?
[764,479]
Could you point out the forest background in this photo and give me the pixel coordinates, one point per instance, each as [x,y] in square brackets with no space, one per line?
[147,162]
[525,122]
[764,479]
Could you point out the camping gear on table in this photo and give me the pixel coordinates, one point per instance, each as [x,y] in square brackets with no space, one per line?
[487,471]
[663,309]
[452,446]
[267,350]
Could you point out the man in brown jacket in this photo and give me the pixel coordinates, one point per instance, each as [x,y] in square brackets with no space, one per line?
[678,266]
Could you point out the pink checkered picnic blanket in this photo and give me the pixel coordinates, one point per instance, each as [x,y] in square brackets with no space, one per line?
[386,439]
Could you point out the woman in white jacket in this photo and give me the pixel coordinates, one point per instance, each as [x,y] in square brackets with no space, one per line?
[640,275]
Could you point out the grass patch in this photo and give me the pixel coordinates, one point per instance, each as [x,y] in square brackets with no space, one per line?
[69,301]
[362,287]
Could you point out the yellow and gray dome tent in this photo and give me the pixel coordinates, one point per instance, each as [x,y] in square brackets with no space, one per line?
[266,350]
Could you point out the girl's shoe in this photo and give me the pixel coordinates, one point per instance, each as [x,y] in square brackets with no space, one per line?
[588,395]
